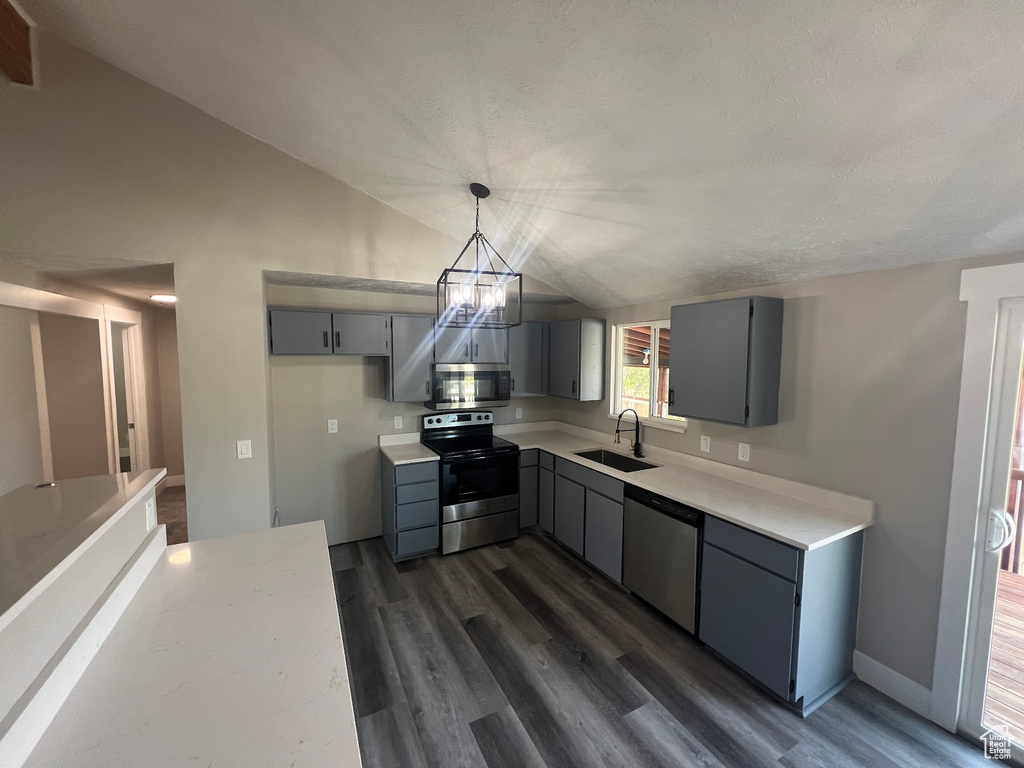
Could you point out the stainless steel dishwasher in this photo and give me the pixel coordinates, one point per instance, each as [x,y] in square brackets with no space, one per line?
[661,554]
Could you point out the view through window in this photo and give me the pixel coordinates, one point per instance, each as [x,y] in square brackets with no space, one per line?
[642,372]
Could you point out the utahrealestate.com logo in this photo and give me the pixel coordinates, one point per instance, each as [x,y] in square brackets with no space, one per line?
[997,743]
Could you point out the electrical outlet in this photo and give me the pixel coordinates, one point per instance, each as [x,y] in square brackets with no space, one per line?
[705,443]
[332,426]
[244,448]
[744,452]
[519,413]
[150,514]
[398,422]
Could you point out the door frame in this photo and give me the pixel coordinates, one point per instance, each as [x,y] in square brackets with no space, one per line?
[23,297]
[135,382]
[983,289]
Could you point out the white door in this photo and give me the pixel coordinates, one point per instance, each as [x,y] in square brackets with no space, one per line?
[985,691]
[123,375]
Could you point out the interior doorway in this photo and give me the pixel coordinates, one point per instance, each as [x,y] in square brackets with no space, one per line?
[121,365]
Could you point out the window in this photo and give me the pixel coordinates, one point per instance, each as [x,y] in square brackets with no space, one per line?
[640,372]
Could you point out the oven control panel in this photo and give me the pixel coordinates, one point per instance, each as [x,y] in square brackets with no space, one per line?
[443,420]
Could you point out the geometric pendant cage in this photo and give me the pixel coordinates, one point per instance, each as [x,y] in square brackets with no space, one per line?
[483,291]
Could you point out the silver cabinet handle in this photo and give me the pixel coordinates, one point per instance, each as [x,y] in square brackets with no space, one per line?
[428,387]
[467,351]
[476,350]
[327,339]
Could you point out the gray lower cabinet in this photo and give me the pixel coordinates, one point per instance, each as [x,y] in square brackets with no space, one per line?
[528,358]
[570,515]
[603,538]
[410,511]
[726,360]
[786,617]
[576,359]
[546,498]
[357,333]
[412,353]
[299,332]
[529,472]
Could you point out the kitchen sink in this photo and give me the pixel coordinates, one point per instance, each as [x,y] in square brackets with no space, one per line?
[615,460]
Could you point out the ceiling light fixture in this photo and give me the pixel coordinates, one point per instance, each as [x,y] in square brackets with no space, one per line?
[164,298]
[479,297]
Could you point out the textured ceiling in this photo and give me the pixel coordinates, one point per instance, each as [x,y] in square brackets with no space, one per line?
[133,280]
[636,150]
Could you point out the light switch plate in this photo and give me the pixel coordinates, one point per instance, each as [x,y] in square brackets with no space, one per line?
[245,449]
[744,452]
[150,514]
[705,443]
[519,413]
[398,422]
[332,426]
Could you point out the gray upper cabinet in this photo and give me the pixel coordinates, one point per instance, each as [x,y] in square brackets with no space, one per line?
[490,345]
[576,355]
[528,358]
[299,332]
[453,345]
[411,357]
[470,345]
[356,333]
[725,361]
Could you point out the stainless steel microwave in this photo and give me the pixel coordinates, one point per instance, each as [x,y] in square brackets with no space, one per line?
[462,386]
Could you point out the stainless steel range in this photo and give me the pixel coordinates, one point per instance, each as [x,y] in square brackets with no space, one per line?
[479,479]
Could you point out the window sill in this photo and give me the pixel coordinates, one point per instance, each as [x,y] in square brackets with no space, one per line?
[663,424]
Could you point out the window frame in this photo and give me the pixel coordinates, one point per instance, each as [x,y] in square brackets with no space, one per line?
[678,424]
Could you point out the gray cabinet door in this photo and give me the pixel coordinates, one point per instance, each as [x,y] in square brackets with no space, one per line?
[528,479]
[299,332]
[564,363]
[603,540]
[748,615]
[361,334]
[546,500]
[708,361]
[490,345]
[569,513]
[411,356]
[453,345]
[527,357]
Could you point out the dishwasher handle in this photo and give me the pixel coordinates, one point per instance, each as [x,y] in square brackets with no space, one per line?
[668,507]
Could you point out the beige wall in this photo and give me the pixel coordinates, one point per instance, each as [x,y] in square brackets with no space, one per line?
[868,406]
[73,370]
[173,453]
[336,477]
[21,457]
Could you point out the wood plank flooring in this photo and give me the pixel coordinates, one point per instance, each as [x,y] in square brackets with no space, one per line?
[1004,696]
[520,655]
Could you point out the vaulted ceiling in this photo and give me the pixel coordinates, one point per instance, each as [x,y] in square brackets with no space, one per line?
[637,150]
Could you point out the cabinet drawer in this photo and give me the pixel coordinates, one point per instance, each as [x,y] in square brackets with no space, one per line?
[406,474]
[547,460]
[590,478]
[769,554]
[528,458]
[415,542]
[406,494]
[417,514]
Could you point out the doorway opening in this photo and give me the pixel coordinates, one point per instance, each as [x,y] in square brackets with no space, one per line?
[121,354]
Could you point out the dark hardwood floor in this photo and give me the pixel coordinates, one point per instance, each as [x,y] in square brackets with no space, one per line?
[520,655]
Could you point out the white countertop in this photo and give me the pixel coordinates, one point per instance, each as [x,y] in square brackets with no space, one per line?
[799,515]
[409,453]
[40,527]
[230,654]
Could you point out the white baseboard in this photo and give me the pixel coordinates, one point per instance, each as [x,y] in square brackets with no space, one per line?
[171,481]
[912,695]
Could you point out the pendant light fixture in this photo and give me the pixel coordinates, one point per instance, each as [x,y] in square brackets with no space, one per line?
[486,293]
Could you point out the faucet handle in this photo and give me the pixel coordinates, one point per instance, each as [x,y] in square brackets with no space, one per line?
[630,445]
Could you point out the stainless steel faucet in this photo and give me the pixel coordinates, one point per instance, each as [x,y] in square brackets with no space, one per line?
[634,445]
